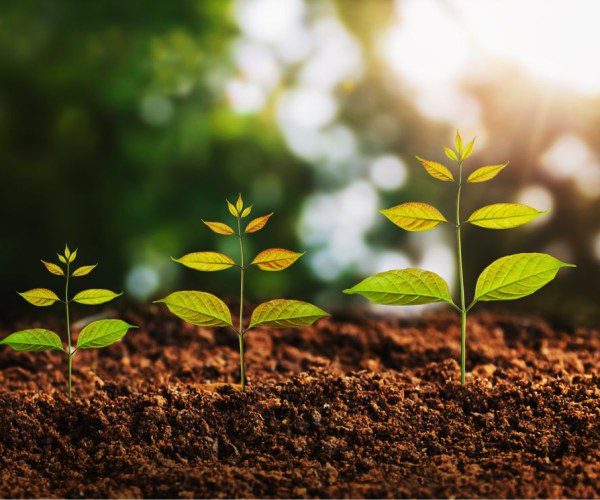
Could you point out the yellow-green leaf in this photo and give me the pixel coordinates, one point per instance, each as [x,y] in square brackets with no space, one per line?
[436,170]
[414,216]
[275,259]
[102,333]
[67,252]
[284,313]
[403,287]
[40,297]
[219,228]
[53,268]
[239,204]
[61,258]
[516,276]
[504,215]
[95,296]
[257,224]
[232,209]
[247,211]
[468,150]
[73,256]
[83,271]
[450,154]
[198,308]
[483,174]
[34,340]
[458,143]
[206,261]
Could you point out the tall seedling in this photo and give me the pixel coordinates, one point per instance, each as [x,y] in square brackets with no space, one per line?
[205,309]
[508,278]
[93,336]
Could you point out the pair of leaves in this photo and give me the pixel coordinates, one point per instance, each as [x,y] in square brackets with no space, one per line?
[205,309]
[252,227]
[273,259]
[57,270]
[94,336]
[43,297]
[507,278]
[416,216]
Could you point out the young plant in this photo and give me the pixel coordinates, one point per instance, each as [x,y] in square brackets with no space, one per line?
[205,309]
[508,278]
[93,336]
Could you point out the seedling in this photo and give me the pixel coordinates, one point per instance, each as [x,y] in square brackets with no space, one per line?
[93,336]
[507,278]
[205,309]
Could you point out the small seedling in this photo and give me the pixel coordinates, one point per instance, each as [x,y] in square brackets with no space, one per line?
[93,336]
[205,309]
[507,278]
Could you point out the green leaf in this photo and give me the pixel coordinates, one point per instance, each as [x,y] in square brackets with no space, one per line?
[73,256]
[102,333]
[516,276]
[275,259]
[83,271]
[504,215]
[414,216]
[458,143]
[95,296]
[219,228]
[67,252]
[468,150]
[403,287]
[283,313]
[198,308]
[206,261]
[53,268]
[61,258]
[483,174]
[34,340]
[257,224]
[40,297]
[436,170]
[450,154]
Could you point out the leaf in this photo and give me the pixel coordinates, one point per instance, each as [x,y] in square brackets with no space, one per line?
[40,297]
[206,261]
[275,259]
[67,252]
[504,215]
[232,209]
[53,268]
[516,276]
[61,258]
[468,150]
[257,224]
[198,308]
[34,340]
[414,216]
[403,287]
[284,313]
[73,256]
[483,174]
[458,143]
[247,211]
[219,228]
[102,333]
[83,271]
[436,170]
[239,204]
[450,154]
[95,296]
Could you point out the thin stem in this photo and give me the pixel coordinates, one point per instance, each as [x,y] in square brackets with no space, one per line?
[463,315]
[69,353]
[241,327]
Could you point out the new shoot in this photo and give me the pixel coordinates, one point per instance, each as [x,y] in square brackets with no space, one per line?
[205,309]
[508,278]
[93,336]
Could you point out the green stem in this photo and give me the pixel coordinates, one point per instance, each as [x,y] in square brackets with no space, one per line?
[241,327]
[69,354]
[463,311]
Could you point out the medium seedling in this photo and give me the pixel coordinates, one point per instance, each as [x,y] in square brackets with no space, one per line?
[507,278]
[205,309]
[93,336]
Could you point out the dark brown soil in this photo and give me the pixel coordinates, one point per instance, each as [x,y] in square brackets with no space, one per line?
[348,409]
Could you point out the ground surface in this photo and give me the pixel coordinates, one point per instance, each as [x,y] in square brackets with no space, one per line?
[349,409]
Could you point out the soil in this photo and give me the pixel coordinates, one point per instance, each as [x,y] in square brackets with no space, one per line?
[349,408]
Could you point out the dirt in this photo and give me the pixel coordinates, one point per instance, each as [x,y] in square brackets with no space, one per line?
[368,408]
